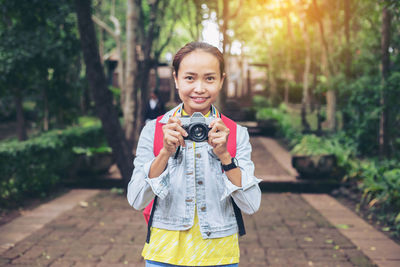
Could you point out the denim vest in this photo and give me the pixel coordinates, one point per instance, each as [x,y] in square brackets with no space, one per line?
[194,180]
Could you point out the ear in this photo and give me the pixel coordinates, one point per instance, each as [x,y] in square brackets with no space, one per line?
[175,79]
[222,79]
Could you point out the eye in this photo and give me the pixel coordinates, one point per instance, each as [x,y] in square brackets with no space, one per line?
[189,78]
[210,78]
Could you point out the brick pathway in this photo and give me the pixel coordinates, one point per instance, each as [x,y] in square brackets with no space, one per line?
[106,231]
[286,231]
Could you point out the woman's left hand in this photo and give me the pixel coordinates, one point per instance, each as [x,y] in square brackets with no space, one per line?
[218,138]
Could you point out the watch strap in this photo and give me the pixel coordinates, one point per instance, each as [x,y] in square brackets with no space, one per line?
[230,166]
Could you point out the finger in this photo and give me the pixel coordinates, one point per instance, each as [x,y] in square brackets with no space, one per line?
[172,141]
[171,125]
[217,142]
[224,134]
[172,133]
[214,122]
[181,140]
[174,120]
[220,126]
[175,124]
[213,127]
[181,131]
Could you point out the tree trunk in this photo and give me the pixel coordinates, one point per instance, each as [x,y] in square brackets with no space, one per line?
[327,71]
[348,58]
[385,43]
[146,65]
[249,91]
[306,73]
[45,109]
[347,37]
[221,99]
[130,98]
[120,67]
[289,74]
[288,60]
[102,96]
[21,127]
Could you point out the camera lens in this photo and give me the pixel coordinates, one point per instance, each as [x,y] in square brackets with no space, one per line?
[198,132]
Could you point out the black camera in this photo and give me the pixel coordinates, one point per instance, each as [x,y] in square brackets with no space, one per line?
[196,126]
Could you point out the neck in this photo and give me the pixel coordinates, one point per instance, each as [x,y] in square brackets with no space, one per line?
[190,112]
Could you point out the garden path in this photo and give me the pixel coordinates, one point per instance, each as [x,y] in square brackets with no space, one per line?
[290,229]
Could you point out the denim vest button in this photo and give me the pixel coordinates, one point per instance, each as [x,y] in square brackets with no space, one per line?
[203,209]
[200,182]
[208,233]
[189,200]
[189,173]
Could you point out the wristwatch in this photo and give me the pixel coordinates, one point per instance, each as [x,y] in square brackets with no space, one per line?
[230,166]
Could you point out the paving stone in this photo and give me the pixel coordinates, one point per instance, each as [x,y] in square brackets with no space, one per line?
[4,261]
[18,250]
[388,263]
[85,264]
[62,263]
[357,258]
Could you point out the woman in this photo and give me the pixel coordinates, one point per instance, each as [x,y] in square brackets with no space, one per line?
[194,222]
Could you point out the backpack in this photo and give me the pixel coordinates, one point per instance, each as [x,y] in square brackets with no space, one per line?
[158,145]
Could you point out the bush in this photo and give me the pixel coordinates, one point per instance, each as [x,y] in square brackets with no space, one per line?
[282,117]
[260,101]
[34,167]
[379,182]
[343,149]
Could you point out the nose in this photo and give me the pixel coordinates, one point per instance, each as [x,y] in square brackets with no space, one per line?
[199,87]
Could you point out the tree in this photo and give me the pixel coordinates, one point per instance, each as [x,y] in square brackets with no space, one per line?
[130,105]
[38,59]
[327,68]
[385,43]
[102,96]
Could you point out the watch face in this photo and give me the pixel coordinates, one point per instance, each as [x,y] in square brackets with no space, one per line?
[235,161]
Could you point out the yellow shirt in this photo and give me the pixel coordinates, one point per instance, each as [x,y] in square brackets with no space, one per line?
[189,248]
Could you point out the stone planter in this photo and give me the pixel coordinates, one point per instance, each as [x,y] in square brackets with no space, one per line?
[268,127]
[95,164]
[316,167]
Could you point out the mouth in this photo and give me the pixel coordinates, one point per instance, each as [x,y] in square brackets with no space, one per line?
[198,99]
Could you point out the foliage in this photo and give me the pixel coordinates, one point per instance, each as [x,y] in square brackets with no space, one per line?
[35,166]
[260,101]
[90,151]
[282,117]
[343,149]
[379,182]
[39,55]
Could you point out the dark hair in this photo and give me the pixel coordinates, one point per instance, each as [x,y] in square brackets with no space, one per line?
[190,47]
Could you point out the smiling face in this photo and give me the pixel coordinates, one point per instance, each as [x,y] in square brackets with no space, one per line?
[198,81]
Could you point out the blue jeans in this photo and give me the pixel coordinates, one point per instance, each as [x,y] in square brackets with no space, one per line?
[158,264]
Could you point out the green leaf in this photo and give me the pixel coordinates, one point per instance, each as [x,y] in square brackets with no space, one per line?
[342,226]
[397,219]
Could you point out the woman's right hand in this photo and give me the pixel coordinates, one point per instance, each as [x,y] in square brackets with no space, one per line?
[173,135]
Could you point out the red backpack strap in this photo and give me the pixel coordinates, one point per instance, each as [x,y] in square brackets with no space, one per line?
[231,146]
[157,145]
[158,137]
[232,134]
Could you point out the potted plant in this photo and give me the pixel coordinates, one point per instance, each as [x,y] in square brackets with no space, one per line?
[314,158]
[268,121]
[94,160]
